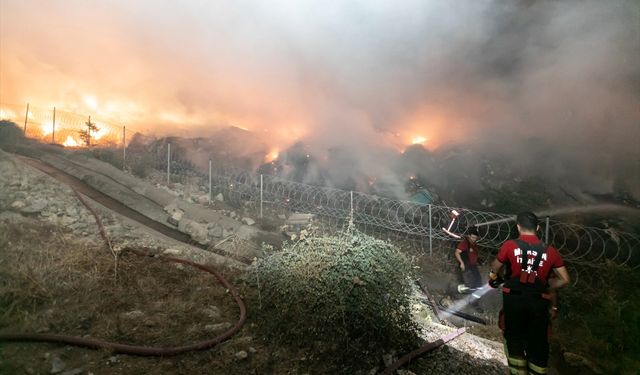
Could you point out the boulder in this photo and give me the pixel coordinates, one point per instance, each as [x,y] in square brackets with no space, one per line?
[17,205]
[194,229]
[215,231]
[203,199]
[35,206]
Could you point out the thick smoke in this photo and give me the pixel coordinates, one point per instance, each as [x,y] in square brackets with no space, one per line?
[518,89]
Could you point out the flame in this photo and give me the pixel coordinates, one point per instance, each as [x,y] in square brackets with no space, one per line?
[102,131]
[70,142]
[272,155]
[47,128]
[7,114]
[418,140]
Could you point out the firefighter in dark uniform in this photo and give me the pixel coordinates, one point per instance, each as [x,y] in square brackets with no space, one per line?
[527,294]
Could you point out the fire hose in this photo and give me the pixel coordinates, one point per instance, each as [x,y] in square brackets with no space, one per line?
[430,346]
[426,348]
[134,349]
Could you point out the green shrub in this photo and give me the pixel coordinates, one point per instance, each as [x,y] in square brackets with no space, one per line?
[10,134]
[108,155]
[349,292]
[112,156]
[602,319]
[140,165]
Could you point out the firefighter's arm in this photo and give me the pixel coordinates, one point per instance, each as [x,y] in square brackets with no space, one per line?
[459,258]
[494,275]
[561,280]
[496,266]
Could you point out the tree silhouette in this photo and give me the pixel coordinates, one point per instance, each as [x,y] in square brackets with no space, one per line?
[85,135]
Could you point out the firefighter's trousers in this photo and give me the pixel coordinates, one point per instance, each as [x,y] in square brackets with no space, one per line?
[526,320]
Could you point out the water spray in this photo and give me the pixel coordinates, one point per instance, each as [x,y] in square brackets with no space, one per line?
[468,300]
[572,210]
[498,221]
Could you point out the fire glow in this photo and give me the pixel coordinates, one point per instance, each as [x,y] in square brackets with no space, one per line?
[102,131]
[272,155]
[418,140]
[7,114]
[70,142]
[47,129]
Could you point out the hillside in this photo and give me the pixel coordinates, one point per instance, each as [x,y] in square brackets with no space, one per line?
[150,303]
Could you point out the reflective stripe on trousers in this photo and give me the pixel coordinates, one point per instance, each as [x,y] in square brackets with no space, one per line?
[519,365]
[536,370]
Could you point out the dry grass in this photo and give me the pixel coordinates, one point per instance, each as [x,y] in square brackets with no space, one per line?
[52,282]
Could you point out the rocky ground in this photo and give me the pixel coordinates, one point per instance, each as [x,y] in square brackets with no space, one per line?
[28,194]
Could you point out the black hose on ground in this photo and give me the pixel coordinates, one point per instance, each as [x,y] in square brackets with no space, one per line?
[135,349]
[143,350]
[440,307]
[426,348]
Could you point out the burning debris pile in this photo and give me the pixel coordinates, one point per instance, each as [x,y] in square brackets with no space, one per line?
[453,175]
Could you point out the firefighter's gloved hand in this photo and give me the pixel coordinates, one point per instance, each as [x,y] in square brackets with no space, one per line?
[496,283]
[495,280]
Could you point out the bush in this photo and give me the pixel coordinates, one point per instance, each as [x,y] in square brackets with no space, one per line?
[108,155]
[602,321]
[10,134]
[350,292]
[140,165]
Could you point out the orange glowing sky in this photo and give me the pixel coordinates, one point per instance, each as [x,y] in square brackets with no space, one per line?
[162,68]
[372,74]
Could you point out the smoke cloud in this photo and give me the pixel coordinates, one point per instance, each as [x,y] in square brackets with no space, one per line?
[547,88]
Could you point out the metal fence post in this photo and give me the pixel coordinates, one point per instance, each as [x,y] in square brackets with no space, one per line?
[26,116]
[546,231]
[124,148]
[168,163]
[430,233]
[53,132]
[351,205]
[210,191]
[261,196]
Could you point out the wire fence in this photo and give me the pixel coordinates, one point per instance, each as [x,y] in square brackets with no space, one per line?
[269,195]
[51,125]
